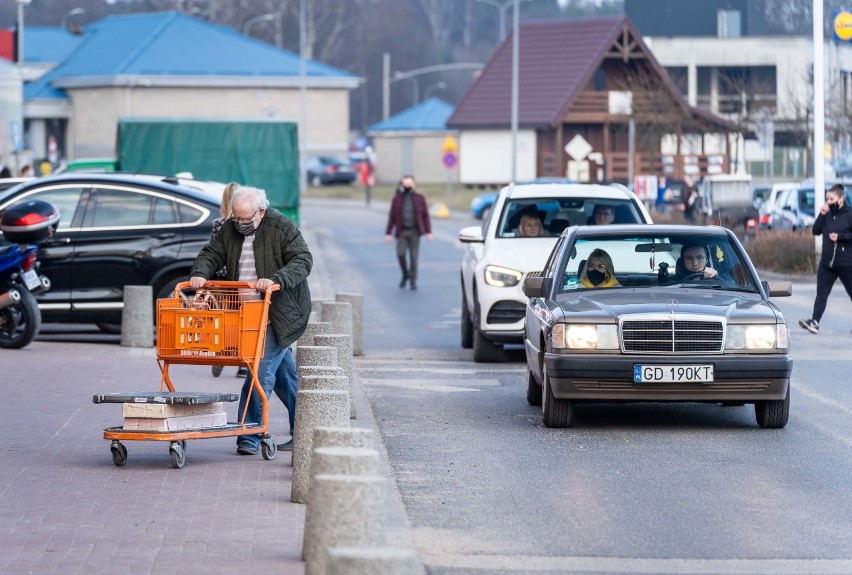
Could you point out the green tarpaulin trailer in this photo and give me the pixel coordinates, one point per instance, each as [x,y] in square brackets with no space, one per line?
[259,153]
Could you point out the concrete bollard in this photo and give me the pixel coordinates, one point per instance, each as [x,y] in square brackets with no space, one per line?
[137,317]
[376,560]
[343,344]
[339,313]
[314,408]
[341,461]
[356,300]
[312,329]
[359,437]
[347,510]
[316,306]
[326,382]
[306,370]
[316,355]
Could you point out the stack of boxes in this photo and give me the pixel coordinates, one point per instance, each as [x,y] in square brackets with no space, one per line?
[173,417]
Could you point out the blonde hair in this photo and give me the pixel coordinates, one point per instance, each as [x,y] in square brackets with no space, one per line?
[225,210]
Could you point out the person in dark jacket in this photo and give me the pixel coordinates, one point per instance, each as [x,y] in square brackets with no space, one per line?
[262,245]
[834,222]
[408,220]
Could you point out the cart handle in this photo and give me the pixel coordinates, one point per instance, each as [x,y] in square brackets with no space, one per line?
[224,284]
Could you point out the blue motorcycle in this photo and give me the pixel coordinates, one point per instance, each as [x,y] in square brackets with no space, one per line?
[25,224]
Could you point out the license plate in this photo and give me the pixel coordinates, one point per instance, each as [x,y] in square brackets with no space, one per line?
[672,373]
[31,280]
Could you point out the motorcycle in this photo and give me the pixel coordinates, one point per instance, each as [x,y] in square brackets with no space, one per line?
[24,225]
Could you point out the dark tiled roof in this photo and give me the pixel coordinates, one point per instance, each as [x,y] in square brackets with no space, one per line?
[555,60]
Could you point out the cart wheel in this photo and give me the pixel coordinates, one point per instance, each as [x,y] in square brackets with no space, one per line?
[183,444]
[178,455]
[268,449]
[119,454]
[217,370]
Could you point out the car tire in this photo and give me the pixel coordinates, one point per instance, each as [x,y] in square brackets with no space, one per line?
[773,413]
[485,350]
[533,390]
[167,288]
[466,325]
[555,412]
[316,181]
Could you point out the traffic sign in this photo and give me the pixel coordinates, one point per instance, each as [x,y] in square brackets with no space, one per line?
[450,160]
[450,145]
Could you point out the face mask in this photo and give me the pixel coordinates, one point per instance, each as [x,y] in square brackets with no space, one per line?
[406,188]
[246,229]
[835,207]
[596,277]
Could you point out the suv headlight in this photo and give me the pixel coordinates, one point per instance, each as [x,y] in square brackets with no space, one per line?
[502,277]
[585,336]
[757,337]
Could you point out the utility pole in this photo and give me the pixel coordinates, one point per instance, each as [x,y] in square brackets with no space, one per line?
[515,53]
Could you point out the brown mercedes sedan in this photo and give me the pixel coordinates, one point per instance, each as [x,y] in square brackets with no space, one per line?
[654,313]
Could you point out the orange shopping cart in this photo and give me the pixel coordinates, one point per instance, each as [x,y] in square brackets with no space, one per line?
[223,324]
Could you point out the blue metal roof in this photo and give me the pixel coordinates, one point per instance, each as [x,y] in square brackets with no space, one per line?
[429,115]
[48,44]
[171,44]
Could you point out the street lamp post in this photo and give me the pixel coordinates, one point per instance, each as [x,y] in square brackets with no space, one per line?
[502,7]
[69,14]
[515,57]
[435,86]
[21,4]
[271,16]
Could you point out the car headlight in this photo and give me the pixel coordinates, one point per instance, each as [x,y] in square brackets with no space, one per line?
[585,336]
[502,277]
[757,337]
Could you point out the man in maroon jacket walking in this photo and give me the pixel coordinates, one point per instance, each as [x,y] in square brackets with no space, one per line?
[408,220]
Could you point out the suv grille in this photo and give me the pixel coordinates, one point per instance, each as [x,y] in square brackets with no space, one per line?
[667,336]
[506,311]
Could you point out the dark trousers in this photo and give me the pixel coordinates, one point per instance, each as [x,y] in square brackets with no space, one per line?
[408,242]
[825,281]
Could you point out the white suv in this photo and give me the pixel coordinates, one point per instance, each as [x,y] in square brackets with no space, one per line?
[498,256]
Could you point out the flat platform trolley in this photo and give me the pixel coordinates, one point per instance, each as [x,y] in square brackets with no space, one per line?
[224,323]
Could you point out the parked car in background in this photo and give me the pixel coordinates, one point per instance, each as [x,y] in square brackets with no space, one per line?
[89,165]
[496,258]
[481,204]
[115,230]
[663,332]
[765,200]
[325,170]
[794,210]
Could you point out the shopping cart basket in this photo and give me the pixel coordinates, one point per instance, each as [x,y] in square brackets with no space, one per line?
[224,323]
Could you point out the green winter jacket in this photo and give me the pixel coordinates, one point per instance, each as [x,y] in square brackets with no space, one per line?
[281,255]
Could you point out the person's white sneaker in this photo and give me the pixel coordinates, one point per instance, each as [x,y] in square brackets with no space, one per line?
[811,325]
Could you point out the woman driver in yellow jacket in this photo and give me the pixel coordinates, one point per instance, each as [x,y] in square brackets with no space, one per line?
[598,271]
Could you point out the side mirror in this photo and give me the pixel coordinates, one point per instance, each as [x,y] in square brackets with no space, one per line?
[536,286]
[471,235]
[777,288]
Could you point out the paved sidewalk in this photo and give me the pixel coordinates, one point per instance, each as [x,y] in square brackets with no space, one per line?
[65,508]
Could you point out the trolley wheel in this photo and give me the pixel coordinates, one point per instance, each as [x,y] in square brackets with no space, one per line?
[268,449]
[119,454]
[217,370]
[178,455]
[183,444]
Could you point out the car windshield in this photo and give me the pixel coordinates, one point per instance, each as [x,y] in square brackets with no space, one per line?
[664,260]
[537,217]
[806,201]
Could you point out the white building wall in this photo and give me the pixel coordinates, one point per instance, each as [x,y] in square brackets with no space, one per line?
[485,156]
[96,112]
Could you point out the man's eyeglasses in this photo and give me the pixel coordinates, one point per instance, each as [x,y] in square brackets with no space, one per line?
[237,220]
[599,267]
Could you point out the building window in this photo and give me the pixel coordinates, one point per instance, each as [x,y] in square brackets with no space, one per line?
[729,23]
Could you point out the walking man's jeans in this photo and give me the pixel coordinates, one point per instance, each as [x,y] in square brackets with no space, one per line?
[409,241]
[268,375]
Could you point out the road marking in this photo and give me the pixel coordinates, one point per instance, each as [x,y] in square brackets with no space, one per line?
[430,385]
[527,563]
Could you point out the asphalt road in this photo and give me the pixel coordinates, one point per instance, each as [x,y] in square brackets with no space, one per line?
[631,488]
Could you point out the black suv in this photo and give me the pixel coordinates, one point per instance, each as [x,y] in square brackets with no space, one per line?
[115,230]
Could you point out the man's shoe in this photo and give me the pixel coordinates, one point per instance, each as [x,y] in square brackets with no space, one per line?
[402,281]
[413,286]
[247,448]
[286,446]
[242,372]
[811,325]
